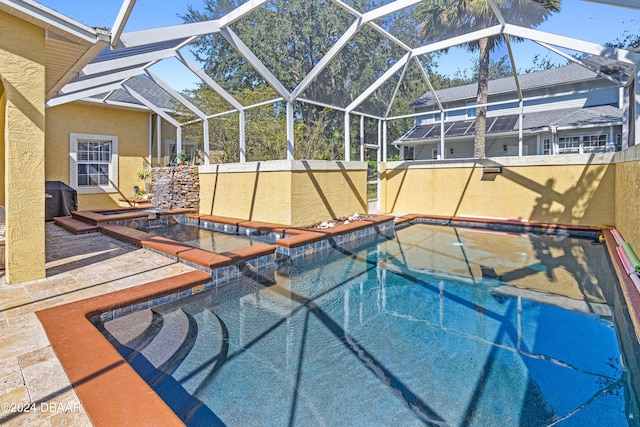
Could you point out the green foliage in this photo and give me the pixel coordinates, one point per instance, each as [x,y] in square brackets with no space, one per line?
[540,63]
[627,40]
[372,168]
[290,37]
[143,174]
[497,70]
[442,19]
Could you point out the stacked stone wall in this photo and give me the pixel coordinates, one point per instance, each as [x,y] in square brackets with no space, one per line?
[176,188]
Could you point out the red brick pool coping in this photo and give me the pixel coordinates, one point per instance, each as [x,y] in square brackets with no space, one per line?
[629,291]
[110,390]
[98,216]
[112,393]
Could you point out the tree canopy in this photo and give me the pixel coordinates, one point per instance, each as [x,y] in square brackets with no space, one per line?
[290,37]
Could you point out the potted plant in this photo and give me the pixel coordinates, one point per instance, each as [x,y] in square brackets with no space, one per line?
[145,175]
[181,157]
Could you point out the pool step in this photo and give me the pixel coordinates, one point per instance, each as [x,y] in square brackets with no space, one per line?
[208,352]
[130,334]
[159,356]
[75,226]
[166,354]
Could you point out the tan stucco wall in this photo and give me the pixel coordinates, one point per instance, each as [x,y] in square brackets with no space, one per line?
[627,206]
[295,193]
[259,196]
[3,101]
[548,192]
[326,194]
[132,130]
[23,77]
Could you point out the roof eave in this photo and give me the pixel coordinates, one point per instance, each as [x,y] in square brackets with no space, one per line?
[51,20]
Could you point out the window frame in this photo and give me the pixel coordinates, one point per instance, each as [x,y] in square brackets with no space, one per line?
[570,144]
[595,143]
[112,187]
[581,143]
[472,109]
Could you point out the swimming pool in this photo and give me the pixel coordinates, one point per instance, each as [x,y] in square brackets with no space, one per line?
[439,326]
[210,240]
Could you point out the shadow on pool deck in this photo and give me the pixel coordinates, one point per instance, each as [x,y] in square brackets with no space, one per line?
[77,267]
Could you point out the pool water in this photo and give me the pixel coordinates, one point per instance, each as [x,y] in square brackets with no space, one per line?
[439,326]
[209,240]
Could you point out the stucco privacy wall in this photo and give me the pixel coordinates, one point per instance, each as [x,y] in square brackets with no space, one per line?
[297,192]
[132,130]
[3,101]
[22,48]
[627,203]
[569,189]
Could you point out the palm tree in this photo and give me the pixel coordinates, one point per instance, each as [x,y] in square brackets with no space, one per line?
[442,19]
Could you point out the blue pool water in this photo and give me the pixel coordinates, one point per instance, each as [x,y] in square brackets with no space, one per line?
[209,240]
[439,326]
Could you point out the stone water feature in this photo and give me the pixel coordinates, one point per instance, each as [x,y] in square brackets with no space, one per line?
[176,188]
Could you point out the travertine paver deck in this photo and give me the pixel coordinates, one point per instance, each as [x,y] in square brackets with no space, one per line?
[78,266]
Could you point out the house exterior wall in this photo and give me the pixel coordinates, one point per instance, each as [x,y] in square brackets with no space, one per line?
[577,95]
[3,101]
[540,99]
[132,130]
[284,192]
[571,189]
[494,147]
[22,70]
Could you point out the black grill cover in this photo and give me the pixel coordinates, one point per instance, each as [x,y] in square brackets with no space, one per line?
[60,199]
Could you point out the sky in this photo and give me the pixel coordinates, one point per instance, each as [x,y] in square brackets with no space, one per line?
[580,19]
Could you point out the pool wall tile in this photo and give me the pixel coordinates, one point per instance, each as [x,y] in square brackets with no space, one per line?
[347,241]
[259,265]
[171,257]
[120,312]
[216,226]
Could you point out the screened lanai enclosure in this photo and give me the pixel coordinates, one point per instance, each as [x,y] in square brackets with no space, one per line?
[374,79]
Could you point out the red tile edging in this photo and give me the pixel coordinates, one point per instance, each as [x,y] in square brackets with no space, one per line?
[111,392]
[629,291]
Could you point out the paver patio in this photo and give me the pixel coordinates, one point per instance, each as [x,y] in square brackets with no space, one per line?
[78,267]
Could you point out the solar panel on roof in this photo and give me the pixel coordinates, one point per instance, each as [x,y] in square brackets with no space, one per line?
[502,124]
[459,128]
[498,124]
[434,132]
[420,132]
[428,131]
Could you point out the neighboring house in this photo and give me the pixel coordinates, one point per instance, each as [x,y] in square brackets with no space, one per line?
[570,109]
